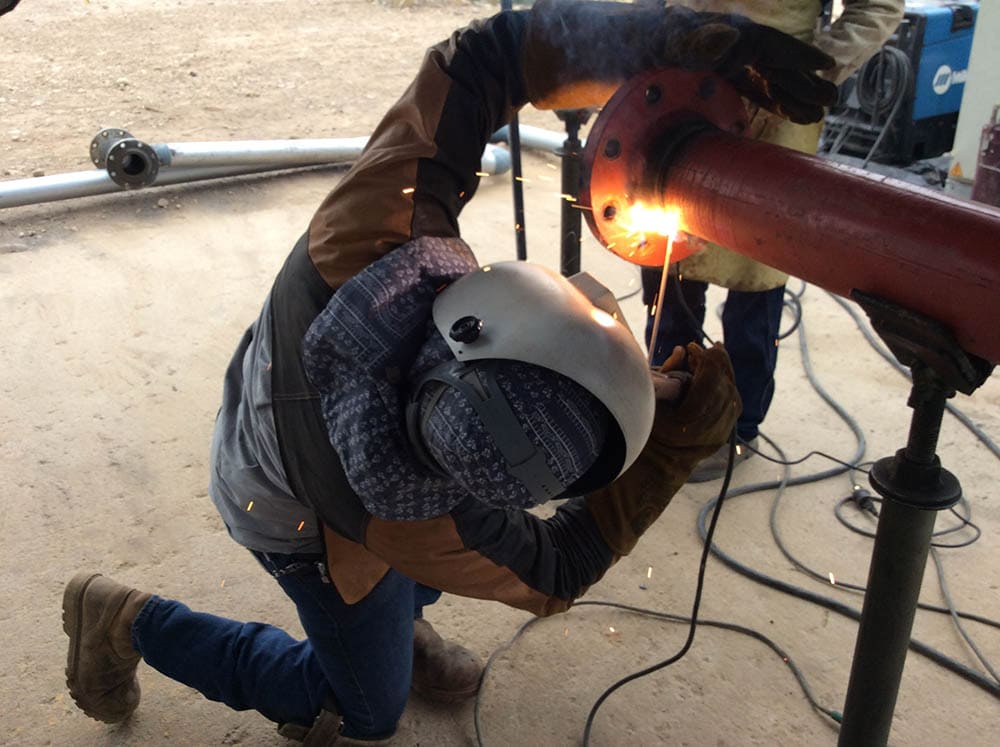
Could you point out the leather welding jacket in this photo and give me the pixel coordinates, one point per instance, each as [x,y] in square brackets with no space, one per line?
[859,32]
[412,180]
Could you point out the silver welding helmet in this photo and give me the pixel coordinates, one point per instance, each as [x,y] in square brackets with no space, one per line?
[504,315]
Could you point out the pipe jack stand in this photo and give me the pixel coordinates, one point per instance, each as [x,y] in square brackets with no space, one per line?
[572,164]
[914,487]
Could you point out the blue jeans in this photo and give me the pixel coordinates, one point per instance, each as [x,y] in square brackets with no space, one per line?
[750,328]
[357,658]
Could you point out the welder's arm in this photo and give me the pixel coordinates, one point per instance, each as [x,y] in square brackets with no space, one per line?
[420,166]
[683,434]
[859,32]
[540,565]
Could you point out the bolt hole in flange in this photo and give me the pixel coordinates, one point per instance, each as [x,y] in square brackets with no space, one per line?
[630,145]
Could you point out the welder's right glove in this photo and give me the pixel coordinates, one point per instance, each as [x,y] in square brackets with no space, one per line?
[684,433]
[576,53]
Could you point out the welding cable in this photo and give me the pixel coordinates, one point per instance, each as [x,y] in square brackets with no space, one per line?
[843,465]
[946,595]
[800,678]
[832,604]
[877,345]
[840,608]
[871,94]
[964,521]
[699,586]
[776,534]
[942,582]
[856,588]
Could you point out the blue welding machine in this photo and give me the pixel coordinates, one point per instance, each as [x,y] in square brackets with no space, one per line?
[902,105]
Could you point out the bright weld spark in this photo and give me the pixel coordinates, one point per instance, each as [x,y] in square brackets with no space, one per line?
[521,179]
[739,449]
[301,524]
[249,505]
[833,581]
[409,190]
[611,628]
[223,584]
[569,198]
[643,219]
[482,173]
[649,572]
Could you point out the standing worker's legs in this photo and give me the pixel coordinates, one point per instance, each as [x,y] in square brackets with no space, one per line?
[750,328]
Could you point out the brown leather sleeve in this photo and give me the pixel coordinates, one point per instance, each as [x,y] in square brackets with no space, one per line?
[432,553]
[420,166]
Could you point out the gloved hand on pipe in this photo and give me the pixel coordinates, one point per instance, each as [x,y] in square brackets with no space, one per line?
[696,410]
[770,68]
[577,52]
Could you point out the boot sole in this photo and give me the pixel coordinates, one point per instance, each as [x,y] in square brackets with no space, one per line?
[72,626]
[445,696]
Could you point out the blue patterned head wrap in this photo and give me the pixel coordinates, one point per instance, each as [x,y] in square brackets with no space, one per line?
[374,337]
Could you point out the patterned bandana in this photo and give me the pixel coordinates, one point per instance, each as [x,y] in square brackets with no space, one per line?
[376,334]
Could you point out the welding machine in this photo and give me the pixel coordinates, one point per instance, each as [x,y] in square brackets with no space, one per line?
[902,105]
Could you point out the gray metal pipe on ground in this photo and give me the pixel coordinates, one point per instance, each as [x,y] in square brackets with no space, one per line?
[213,165]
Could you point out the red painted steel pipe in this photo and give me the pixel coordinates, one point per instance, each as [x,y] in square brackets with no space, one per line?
[842,228]
[673,137]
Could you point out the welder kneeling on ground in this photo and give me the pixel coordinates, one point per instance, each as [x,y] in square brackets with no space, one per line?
[395,408]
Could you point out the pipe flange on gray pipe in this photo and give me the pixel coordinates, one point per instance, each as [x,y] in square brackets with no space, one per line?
[102,143]
[132,163]
[129,162]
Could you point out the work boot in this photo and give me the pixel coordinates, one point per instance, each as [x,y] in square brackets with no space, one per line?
[442,670]
[100,668]
[714,466]
[325,732]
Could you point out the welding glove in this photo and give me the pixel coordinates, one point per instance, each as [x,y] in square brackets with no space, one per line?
[576,53]
[685,431]
[770,68]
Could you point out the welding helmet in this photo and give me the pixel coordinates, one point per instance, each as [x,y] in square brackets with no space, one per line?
[541,371]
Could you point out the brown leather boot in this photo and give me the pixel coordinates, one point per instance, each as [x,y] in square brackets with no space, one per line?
[325,732]
[100,668]
[442,670]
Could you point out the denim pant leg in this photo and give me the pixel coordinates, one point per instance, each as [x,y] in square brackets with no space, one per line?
[750,325]
[365,649]
[244,665]
[682,315]
[361,654]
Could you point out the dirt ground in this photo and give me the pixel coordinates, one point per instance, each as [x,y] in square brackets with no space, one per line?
[119,313]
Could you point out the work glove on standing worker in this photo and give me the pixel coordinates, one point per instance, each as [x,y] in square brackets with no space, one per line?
[568,62]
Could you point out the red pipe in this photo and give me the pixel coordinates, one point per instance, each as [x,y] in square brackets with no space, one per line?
[842,228]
